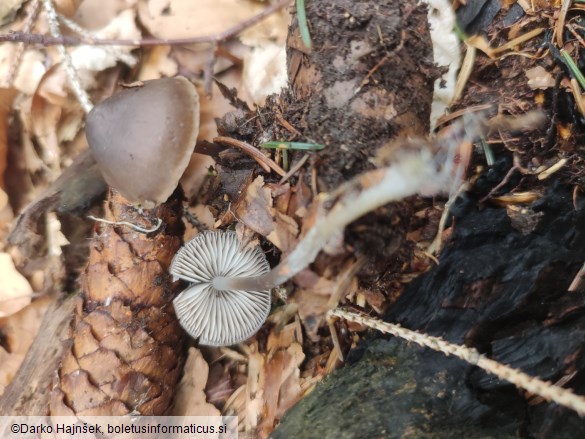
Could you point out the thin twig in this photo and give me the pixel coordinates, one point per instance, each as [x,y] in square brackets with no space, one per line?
[76,41]
[437,244]
[294,169]
[546,390]
[577,282]
[128,224]
[120,53]
[266,162]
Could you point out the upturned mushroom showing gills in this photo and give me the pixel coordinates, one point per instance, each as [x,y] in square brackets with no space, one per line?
[143,137]
[213,308]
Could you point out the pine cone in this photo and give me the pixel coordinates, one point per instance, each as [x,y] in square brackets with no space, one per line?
[126,351]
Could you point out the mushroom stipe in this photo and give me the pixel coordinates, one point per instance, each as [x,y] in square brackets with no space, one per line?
[213,308]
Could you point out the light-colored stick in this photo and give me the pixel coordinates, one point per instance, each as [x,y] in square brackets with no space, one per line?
[414,173]
[545,389]
[80,93]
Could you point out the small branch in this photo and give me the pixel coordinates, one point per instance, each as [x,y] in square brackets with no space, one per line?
[21,37]
[294,169]
[80,93]
[546,390]
[266,162]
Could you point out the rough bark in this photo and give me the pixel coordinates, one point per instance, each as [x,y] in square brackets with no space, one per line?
[29,392]
[125,353]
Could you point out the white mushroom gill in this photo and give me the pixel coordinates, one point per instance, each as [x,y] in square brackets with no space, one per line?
[210,308]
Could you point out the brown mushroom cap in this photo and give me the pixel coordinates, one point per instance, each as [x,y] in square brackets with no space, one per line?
[143,137]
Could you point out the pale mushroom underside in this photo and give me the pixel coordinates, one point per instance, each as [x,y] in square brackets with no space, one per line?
[219,317]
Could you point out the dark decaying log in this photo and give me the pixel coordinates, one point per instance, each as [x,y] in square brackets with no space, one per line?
[502,287]
[125,353]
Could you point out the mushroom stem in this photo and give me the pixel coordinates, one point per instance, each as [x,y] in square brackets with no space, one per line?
[425,168]
[414,173]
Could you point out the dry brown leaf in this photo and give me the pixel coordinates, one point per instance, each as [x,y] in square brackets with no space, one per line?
[284,235]
[67,7]
[214,106]
[15,291]
[19,331]
[291,333]
[186,18]
[49,104]
[190,399]
[312,297]
[290,387]
[254,389]
[255,208]
[96,14]
[7,96]
[157,64]
[282,387]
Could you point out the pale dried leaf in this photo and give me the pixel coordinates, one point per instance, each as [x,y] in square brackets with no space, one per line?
[8,10]
[273,29]
[46,109]
[290,387]
[89,59]
[3,200]
[67,7]
[30,72]
[15,291]
[96,14]
[265,71]
[190,399]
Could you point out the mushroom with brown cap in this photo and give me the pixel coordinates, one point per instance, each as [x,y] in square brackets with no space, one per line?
[213,308]
[143,137]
